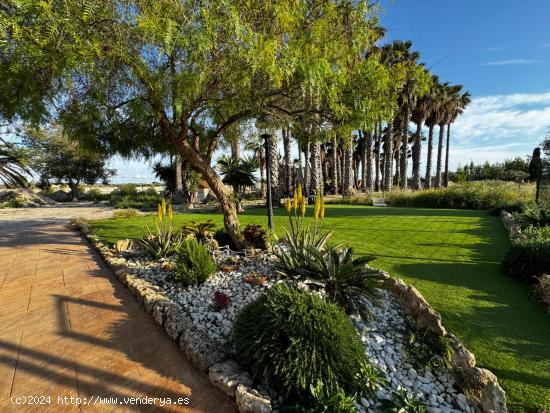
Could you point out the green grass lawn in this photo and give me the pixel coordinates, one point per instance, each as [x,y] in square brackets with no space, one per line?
[453,257]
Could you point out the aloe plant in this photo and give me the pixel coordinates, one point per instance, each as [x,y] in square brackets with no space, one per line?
[163,240]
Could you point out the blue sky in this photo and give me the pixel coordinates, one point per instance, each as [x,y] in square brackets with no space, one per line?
[498,49]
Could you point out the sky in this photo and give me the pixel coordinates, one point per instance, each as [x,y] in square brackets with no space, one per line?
[499,50]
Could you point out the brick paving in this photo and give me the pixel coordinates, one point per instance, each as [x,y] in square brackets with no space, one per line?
[68,328]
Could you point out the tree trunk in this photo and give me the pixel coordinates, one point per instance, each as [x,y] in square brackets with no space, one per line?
[315,165]
[324,167]
[235,148]
[73,186]
[388,157]
[288,164]
[404,150]
[347,189]
[275,184]
[416,156]
[367,162]
[178,196]
[335,165]
[446,175]
[230,219]
[428,179]
[439,154]
[306,167]
[261,160]
[397,156]
[377,144]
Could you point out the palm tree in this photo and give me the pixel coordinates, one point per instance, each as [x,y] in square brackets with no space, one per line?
[431,122]
[315,167]
[239,173]
[420,113]
[12,165]
[287,161]
[388,157]
[457,106]
[442,114]
[257,148]
[334,144]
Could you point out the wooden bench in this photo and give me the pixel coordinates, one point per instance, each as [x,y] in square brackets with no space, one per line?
[378,202]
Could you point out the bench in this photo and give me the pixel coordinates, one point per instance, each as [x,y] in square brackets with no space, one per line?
[378,202]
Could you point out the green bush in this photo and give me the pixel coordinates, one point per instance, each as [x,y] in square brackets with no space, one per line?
[256,236]
[534,215]
[125,189]
[347,281]
[202,231]
[95,195]
[125,213]
[141,200]
[290,339]
[528,259]
[194,263]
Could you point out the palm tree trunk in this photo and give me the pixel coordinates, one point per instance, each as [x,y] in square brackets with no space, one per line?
[275,185]
[235,144]
[335,165]
[388,157]
[347,189]
[307,169]
[416,156]
[428,179]
[261,159]
[446,175]
[439,154]
[177,196]
[397,156]
[377,142]
[288,164]
[404,150]
[315,166]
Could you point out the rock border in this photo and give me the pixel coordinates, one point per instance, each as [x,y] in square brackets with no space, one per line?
[479,385]
[513,228]
[209,357]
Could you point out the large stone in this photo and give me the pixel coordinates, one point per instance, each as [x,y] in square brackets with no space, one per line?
[152,298]
[430,320]
[461,357]
[493,399]
[176,321]
[474,379]
[200,349]
[227,375]
[251,401]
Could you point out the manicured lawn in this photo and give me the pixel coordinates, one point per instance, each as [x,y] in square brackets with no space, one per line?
[453,257]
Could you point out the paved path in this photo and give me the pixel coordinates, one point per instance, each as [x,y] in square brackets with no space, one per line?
[68,328]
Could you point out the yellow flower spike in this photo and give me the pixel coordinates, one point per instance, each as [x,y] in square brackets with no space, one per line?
[295,200]
[317,207]
[159,212]
[303,207]
[163,203]
[288,206]
[299,191]
[170,212]
[322,209]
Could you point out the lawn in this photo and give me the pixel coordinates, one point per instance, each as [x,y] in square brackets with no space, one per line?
[453,257]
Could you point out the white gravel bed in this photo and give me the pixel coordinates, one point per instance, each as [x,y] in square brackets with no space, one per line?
[384,334]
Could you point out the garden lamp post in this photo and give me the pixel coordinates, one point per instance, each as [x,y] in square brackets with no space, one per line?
[267,137]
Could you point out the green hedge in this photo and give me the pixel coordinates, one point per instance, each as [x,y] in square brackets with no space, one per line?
[528,259]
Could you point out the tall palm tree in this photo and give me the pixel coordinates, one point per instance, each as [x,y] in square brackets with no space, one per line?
[315,167]
[366,161]
[388,157]
[431,122]
[256,146]
[12,165]
[377,151]
[442,114]
[335,175]
[420,113]
[458,104]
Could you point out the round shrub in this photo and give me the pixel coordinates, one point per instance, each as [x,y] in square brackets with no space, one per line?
[291,339]
[194,263]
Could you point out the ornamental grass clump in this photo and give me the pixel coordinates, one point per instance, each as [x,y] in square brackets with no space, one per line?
[292,340]
[163,240]
[194,263]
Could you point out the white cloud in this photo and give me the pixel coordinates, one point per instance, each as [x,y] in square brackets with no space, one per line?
[497,127]
[509,62]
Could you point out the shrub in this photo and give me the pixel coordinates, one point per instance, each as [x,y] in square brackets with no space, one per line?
[256,237]
[428,349]
[541,290]
[95,195]
[194,263]
[126,189]
[201,231]
[347,281]
[79,224]
[487,195]
[403,402]
[163,241]
[534,215]
[140,200]
[528,259]
[290,338]
[125,213]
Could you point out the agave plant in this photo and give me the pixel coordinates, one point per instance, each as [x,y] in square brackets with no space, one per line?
[163,240]
[202,231]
